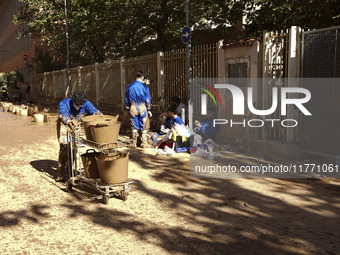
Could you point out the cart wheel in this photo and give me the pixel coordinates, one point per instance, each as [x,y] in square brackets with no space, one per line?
[124,195]
[105,199]
[69,186]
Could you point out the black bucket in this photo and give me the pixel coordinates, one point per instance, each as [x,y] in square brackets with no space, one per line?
[90,164]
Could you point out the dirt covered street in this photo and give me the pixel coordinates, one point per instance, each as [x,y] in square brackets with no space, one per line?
[167,211]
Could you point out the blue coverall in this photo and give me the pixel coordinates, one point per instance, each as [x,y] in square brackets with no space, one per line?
[148,98]
[137,99]
[69,112]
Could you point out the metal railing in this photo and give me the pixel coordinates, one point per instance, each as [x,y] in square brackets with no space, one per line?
[321,72]
[105,84]
[275,60]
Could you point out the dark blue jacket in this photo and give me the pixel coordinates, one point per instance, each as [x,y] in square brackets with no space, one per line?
[67,110]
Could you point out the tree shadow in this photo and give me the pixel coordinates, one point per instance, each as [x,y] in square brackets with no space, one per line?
[34,214]
[260,222]
[223,216]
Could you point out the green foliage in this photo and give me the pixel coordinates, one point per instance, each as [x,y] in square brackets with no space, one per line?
[282,14]
[11,79]
[106,29]
[100,30]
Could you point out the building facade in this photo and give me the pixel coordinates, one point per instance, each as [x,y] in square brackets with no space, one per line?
[16,54]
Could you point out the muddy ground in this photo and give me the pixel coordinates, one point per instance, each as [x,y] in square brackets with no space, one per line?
[167,211]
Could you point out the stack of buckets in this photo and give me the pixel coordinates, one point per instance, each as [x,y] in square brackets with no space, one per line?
[110,166]
[23,110]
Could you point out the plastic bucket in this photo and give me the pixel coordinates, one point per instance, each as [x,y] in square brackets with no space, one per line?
[105,131]
[35,108]
[90,163]
[113,167]
[23,112]
[38,117]
[86,122]
[94,118]
[15,109]
[30,111]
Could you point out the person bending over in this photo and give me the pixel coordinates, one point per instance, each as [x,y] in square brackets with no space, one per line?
[71,111]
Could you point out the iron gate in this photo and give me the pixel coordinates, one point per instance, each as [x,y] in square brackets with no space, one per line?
[276,49]
[320,133]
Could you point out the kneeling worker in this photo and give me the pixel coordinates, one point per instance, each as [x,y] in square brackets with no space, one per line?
[71,110]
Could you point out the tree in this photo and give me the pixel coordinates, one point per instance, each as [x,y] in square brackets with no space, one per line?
[103,30]
[282,14]
[165,19]
[11,79]
[106,29]
[98,29]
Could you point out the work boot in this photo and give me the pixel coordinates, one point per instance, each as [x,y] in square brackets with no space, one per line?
[62,163]
[133,143]
[145,143]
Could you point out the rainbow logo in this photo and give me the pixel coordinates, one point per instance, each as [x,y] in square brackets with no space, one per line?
[209,93]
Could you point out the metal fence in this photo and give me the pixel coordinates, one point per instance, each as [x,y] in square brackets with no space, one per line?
[147,64]
[105,84]
[321,72]
[275,60]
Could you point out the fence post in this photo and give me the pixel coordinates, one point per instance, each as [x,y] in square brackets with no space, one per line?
[221,65]
[65,84]
[53,86]
[221,72]
[122,80]
[160,72]
[294,63]
[43,87]
[97,83]
[79,79]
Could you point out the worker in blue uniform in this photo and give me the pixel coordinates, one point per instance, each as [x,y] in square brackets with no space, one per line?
[206,128]
[147,82]
[137,101]
[71,110]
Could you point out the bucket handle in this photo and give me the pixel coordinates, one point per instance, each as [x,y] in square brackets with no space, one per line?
[101,125]
[87,151]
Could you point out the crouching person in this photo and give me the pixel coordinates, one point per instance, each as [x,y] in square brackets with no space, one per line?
[205,132]
[175,130]
[71,111]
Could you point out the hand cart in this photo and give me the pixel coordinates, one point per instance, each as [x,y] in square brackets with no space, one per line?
[76,144]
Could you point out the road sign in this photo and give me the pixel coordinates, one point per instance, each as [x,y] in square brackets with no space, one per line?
[25,56]
[186,35]
[25,62]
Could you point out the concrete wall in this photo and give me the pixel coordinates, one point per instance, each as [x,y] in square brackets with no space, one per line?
[252,55]
[12,49]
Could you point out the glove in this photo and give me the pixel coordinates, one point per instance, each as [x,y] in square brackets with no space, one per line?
[197,123]
[173,134]
[72,124]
